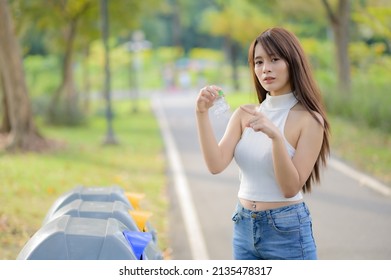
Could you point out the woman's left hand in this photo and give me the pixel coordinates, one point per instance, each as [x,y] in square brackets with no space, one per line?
[259,122]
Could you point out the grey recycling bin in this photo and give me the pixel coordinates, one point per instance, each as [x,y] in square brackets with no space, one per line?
[96,194]
[98,210]
[109,194]
[93,223]
[75,238]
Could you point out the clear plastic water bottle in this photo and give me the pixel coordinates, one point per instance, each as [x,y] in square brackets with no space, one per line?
[220,106]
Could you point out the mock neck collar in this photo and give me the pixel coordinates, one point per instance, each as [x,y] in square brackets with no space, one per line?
[278,102]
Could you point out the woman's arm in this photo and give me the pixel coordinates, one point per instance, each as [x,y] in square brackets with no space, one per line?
[217,156]
[307,151]
[291,173]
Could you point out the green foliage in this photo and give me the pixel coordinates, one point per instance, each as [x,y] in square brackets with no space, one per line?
[368,103]
[240,21]
[374,20]
[73,116]
[208,55]
[42,74]
[364,147]
[363,56]
[209,66]
[372,105]
[169,54]
[55,19]
[320,52]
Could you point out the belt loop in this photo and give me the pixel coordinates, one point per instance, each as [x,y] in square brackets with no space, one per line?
[306,209]
[269,214]
[239,210]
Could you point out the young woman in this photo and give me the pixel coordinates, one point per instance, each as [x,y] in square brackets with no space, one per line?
[279,146]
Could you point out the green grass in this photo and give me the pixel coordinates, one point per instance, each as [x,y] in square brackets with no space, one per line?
[30,183]
[365,148]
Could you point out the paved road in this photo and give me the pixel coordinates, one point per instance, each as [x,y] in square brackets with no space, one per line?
[350,220]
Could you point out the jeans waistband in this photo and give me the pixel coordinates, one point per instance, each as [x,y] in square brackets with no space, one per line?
[247,213]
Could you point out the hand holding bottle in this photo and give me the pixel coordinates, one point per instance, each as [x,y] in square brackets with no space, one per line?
[212,96]
[220,105]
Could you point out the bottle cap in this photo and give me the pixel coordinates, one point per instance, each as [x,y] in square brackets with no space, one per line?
[221,93]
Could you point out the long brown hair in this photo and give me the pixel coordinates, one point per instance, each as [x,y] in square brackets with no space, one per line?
[284,44]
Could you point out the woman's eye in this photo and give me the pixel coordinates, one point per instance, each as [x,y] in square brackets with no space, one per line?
[275,59]
[258,62]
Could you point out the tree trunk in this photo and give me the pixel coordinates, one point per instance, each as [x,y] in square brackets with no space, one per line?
[232,50]
[86,79]
[340,25]
[110,138]
[67,89]
[176,25]
[235,67]
[5,125]
[341,32]
[23,133]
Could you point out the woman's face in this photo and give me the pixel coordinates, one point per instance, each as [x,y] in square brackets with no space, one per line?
[272,72]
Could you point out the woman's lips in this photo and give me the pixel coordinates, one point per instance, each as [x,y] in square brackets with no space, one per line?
[268,80]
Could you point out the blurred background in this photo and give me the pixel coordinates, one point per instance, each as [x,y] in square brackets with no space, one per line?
[81,72]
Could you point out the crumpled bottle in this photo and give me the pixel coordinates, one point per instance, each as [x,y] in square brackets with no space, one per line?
[220,106]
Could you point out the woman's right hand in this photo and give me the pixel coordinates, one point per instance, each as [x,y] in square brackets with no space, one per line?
[206,97]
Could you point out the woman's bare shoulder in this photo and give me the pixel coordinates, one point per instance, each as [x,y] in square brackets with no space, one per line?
[304,115]
[247,106]
[241,116]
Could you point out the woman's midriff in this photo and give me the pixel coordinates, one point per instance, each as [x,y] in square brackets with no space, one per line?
[261,205]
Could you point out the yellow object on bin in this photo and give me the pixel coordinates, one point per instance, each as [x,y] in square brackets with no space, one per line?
[141,218]
[134,199]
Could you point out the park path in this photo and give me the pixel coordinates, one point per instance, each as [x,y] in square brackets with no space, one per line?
[351,211]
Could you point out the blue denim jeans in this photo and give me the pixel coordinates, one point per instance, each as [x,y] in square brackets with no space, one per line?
[277,234]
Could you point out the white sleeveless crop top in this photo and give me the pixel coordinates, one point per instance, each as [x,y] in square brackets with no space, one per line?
[253,154]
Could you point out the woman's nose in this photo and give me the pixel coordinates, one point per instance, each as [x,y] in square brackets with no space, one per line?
[266,67]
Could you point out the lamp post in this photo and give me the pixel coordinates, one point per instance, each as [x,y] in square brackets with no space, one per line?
[136,45]
[110,137]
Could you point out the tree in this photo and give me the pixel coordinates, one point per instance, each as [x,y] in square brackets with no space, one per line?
[18,123]
[339,20]
[238,23]
[110,137]
[69,27]
[375,20]
[71,14]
